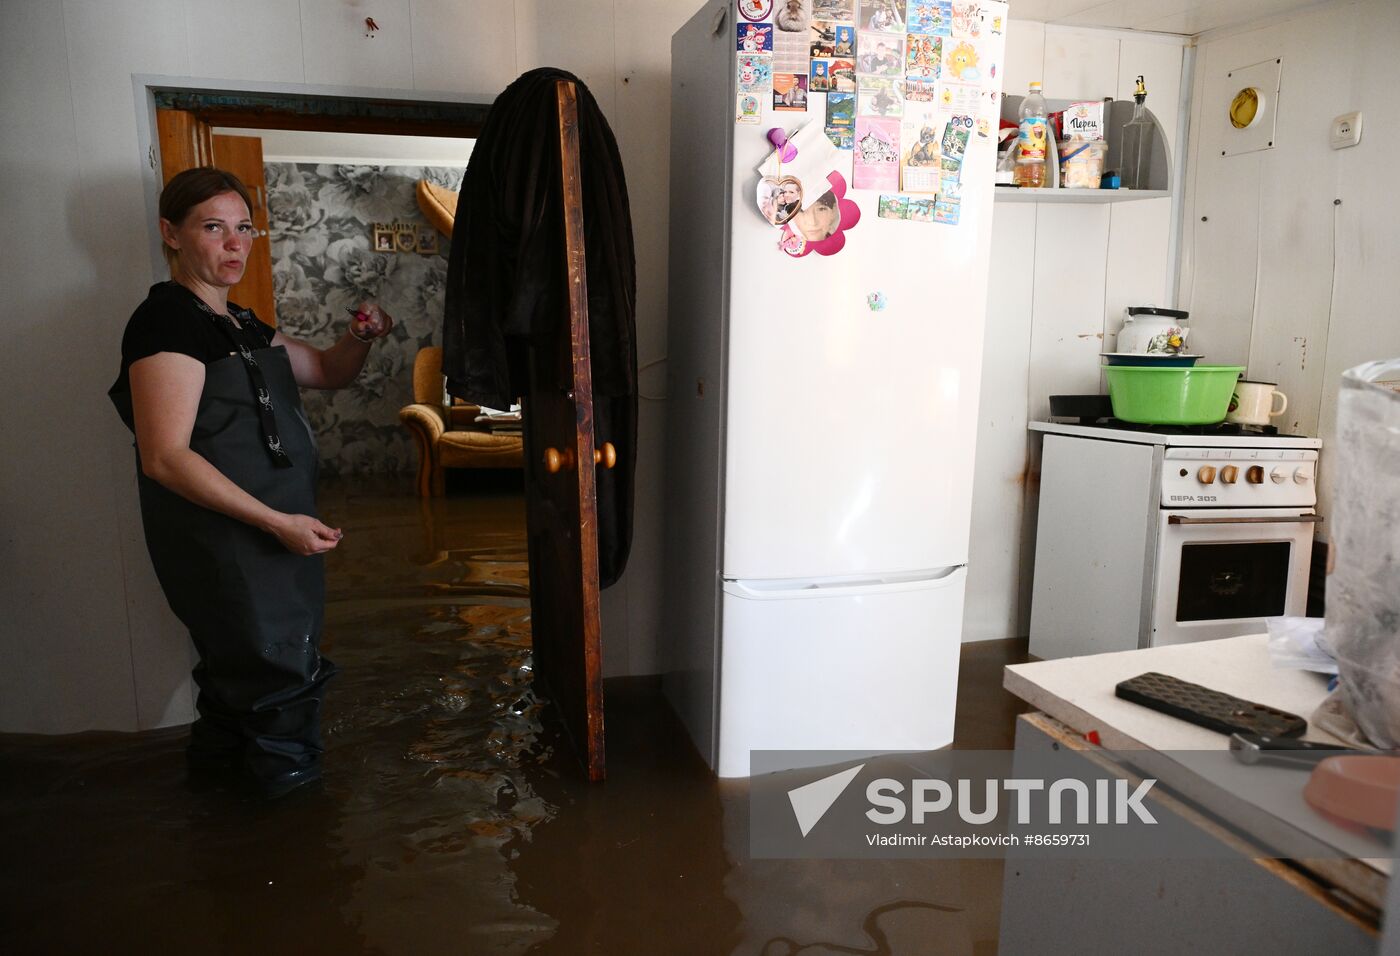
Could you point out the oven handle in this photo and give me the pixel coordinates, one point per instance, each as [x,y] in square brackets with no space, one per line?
[1287,519]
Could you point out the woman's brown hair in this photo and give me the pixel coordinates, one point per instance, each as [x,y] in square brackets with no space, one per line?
[191,187]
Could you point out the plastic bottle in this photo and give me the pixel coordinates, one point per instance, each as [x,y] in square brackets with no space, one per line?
[1138,135]
[1032,142]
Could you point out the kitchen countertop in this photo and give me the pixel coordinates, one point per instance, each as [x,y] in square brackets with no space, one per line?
[1159,438]
[1264,802]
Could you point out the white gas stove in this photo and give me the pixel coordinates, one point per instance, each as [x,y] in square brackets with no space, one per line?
[1165,536]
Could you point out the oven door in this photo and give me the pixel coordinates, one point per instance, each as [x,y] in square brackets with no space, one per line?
[1220,572]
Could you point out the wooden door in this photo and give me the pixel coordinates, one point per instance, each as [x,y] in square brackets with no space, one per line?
[243,156]
[561,508]
[187,141]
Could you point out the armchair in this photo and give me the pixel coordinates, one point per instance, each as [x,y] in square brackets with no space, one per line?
[447,437]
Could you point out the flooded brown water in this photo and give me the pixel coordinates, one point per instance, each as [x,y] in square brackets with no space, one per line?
[453,817]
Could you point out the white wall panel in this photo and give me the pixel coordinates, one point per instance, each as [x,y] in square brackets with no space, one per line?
[578,37]
[465,46]
[991,611]
[1061,276]
[1136,270]
[1080,64]
[1025,56]
[1313,313]
[1159,63]
[253,38]
[1067,329]
[337,51]
[641,121]
[1364,326]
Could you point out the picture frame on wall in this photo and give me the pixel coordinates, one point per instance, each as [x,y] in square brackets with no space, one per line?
[383,238]
[427,241]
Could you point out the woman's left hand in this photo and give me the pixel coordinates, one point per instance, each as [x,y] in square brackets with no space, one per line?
[370,322]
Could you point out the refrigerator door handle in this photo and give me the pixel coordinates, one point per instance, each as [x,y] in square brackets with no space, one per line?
[787,589]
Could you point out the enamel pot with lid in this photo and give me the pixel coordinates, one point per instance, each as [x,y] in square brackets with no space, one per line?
[1151,330]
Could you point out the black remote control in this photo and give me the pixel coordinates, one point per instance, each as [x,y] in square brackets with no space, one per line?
[1209,708]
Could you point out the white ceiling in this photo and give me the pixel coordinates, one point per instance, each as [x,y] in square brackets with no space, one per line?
[1188,17]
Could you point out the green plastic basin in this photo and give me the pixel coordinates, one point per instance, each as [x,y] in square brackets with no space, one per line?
[1171,396]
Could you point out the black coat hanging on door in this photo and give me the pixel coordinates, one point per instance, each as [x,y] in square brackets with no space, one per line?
[506,284]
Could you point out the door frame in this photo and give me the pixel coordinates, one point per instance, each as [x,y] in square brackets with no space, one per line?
[280,113]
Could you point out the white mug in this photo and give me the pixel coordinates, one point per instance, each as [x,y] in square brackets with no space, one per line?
[1253,403]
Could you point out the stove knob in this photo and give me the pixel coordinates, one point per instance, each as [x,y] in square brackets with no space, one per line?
[1255,475]
[1206,475]
[1277,476]
[1302,476]
[1229,474]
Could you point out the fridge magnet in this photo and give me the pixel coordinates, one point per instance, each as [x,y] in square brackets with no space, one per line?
[820,79]
[881,96]
[843,75]
[876,302]
[960,63]
[822,226]
[843,11]
[755,38]
[787,151]
[755,73]
[755,10]
[823,39]
[845,44]
[779,199]
[921,208]
[792,18]
[955,135]
[959,97]
[920,91]
[946,211]
[881,16]
[920,168]
[929,16]
[923,57]
[876,153]
[880,54]
[967,19]
[950,188]
[749,109]
[841,119]
[790,92]
[894,207]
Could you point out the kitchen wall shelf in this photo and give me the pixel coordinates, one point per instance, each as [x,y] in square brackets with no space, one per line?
[1159,173]
[1012,194]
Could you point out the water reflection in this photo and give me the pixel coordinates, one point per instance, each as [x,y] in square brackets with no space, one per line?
[454,817]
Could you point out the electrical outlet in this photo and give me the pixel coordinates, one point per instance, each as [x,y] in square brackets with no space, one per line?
[1346,130]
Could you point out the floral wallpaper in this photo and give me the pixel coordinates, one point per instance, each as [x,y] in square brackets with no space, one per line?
[323,262]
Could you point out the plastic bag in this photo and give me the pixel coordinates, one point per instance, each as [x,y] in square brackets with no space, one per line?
[1298,643]
[1363,591]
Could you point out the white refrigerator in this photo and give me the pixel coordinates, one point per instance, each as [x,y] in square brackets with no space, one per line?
[821,420]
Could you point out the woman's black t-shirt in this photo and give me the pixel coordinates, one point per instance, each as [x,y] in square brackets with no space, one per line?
[171,320]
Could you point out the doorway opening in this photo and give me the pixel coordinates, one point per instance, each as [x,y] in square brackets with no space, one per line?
[333,184]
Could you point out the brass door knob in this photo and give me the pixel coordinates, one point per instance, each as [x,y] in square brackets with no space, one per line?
[607,455]
[556,461]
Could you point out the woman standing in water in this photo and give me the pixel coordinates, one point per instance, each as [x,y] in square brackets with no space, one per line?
[226,469]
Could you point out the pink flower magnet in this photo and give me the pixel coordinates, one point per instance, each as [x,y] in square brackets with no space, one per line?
[821,226]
